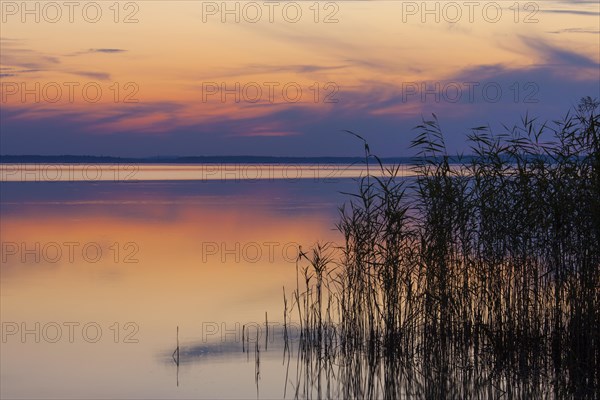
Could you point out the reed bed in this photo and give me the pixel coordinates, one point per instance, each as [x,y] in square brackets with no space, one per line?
[478,278]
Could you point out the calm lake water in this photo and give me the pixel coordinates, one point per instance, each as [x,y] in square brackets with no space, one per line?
[97,274]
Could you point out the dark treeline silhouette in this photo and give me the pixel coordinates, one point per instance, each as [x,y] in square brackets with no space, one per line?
[89,159]
[474,280]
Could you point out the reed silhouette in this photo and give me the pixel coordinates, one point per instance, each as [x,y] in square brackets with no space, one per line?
[480,278]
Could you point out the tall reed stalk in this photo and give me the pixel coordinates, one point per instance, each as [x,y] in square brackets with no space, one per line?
[489,262]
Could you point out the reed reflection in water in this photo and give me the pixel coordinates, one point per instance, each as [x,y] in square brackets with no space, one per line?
[454,285]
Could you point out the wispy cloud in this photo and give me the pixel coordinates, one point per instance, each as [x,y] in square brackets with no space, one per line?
[110,51]
[17,59]
[28,59]
[103,76]
[554,55]
[97,51]
[577,30]
[263,69]
[571,12]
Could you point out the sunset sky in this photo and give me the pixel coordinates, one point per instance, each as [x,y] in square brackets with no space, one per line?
[146,78]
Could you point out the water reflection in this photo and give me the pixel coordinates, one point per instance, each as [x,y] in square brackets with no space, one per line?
[206,302]
[328,372]
[179,278]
